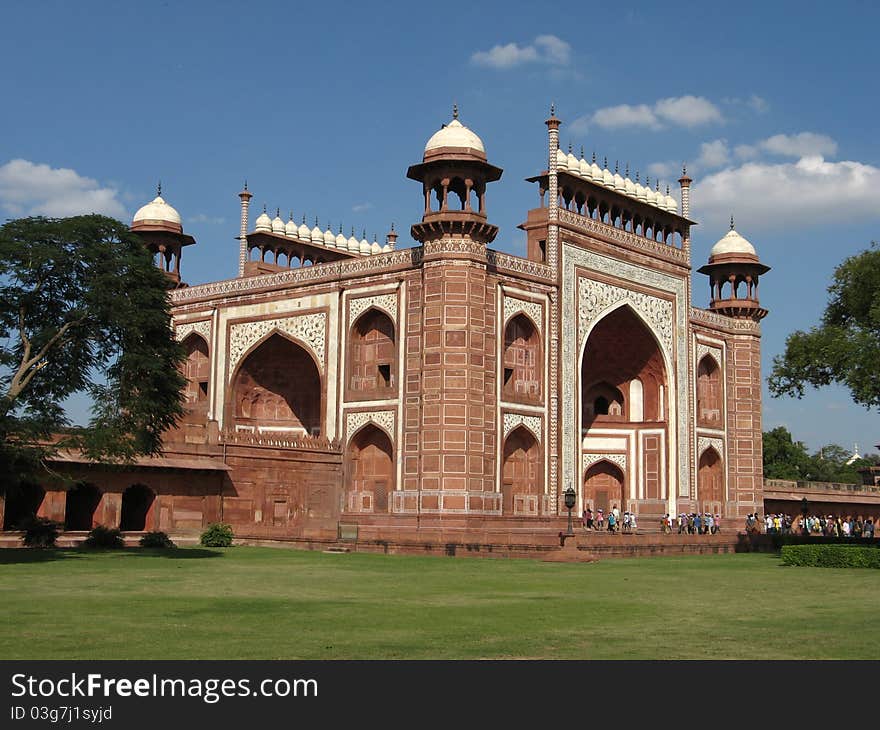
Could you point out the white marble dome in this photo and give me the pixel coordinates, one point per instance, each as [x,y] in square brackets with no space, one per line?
[263,222]
[290,228]
[455,134]
[329,238]
[732,243]
[157,210]
[303,232]
[278,224]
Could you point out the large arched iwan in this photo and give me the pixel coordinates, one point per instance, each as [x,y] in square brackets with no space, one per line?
[278,388]
[624,386]
[370,469]
[521,473]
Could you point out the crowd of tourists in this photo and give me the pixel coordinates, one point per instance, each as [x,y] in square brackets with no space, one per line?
[695,523]
[613,522]
[812,525]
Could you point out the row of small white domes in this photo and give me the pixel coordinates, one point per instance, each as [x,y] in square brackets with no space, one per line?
[614,181]
[316,235]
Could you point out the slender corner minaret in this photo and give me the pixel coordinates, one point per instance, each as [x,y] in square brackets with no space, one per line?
[685,182]
[391,238]
[553,125]
[242,237]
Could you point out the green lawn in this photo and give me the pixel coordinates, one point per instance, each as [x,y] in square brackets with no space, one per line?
[264,603]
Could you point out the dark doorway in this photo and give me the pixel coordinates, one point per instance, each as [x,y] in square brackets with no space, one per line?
[80,506]
[137,508]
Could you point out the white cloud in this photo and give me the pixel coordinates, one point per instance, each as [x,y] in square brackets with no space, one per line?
[758,103]
[683,111]
[626,115]
[547,49]
[662,169]
[745,151]
[714,154]
[27,188]
[789,194]
[202,218]
[361,207]
[799,145]
[688,111]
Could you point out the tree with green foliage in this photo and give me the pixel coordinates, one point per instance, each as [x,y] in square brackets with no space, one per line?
[845,348]
[82,310]
[784,458]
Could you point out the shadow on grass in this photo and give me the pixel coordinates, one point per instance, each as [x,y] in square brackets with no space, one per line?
[12,556]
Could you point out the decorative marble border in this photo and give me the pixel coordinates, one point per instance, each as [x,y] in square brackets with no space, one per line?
[384,419]
[533,310]
[703,350]
[310,329]
[704,316]
[533,423]
[386,302]
[587,460]
[677,353]
[595,297]
[704,442]
[203,328]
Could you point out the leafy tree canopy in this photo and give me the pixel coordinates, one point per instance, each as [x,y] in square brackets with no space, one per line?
[785,458]
[83,309]
[845,348]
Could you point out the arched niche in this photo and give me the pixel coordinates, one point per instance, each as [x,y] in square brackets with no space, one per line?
[370,470]
[710,481]
[521,473]
[278,388]
[710,411]
[622,349]
[372,361]
[80,505]
[603,487]
[137,508]
[522,361]
[197,370]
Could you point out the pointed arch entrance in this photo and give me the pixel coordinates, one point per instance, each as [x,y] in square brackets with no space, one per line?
[22,504]
[710,481]
[603,487]
[278,388]
[373,358]
[521,472]
[197,370]
[624,399]
[370,470]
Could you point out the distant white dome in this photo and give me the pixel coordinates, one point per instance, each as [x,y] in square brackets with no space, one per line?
[290,228]
[732,243]
[341,240]
[353,244]
[278,224]
[264,222]
[561,159]
[157,210]
[455,134]
[364,247]
[317,235]
[329,238]
[303,232]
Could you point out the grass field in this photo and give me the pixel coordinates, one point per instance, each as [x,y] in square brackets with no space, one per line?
[264,603]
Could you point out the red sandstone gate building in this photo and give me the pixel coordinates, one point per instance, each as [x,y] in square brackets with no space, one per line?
[339,384]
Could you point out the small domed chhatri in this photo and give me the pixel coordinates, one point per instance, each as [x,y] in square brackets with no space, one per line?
[157,213]
[158,224]
[732,243]
[454,136]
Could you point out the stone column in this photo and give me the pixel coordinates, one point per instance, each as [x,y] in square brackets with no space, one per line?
[242,237]
[553,260]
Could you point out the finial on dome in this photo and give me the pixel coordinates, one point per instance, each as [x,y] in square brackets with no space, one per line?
[340,227]
[626,174]
[316,220]
[606,163]
[159,190]
[364,233]
[637,177]
[657,186]
[731,222]
[582,152]
[684,170]
[278,212]
[616,170]
[569,147]
[594,157]
[245,183]
[264,207]
[392,225]
[667,190]
[290,216]
[352,231]
[552,108]
[454,110]
[304,219]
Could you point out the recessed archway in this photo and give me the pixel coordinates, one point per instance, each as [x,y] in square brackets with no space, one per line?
[603,487]
[370,469]
[709,410]
[278,388]
[373,353]
[710,481]
[80,505]
[137,508]
[521,473]
[197,370]
[521,360]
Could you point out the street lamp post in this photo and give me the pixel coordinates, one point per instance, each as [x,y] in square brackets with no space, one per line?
[569,505]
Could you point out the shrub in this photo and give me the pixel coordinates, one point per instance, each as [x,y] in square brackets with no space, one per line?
[156,539]
[41,532]
[218,534]
[831,556]
[105,537]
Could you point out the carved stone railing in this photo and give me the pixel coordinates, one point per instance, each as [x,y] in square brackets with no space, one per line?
[310,443]
[407,257]
[588,225]
[785,484]
[704,316]
[519,265]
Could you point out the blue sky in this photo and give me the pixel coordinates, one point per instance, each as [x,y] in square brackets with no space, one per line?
[323,106]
